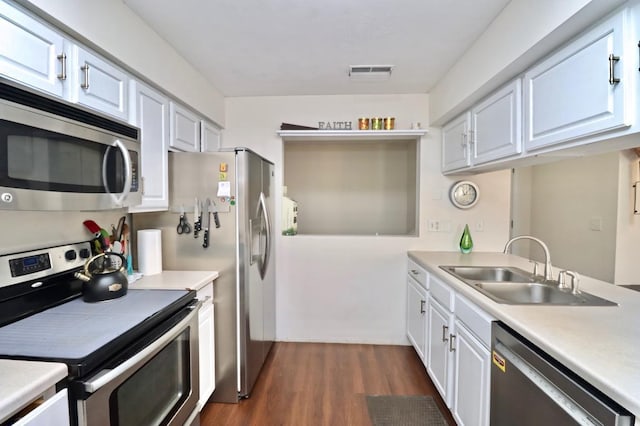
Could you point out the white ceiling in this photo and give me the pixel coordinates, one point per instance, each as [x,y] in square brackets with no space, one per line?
[300,47]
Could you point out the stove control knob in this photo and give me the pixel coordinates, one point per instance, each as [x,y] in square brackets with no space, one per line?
[85,253]
[70,255]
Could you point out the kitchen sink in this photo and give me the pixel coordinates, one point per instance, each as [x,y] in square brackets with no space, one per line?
[490,273]
[514,286]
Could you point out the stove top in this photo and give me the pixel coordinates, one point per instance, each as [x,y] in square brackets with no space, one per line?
[76,329]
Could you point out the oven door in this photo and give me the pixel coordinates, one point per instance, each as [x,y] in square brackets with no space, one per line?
[156,386]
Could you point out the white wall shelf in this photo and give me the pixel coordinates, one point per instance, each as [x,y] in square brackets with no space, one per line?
[354,135]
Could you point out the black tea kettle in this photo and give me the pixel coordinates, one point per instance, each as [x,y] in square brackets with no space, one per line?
[104,277]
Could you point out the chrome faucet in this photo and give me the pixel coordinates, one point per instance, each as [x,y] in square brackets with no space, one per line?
[547,255]
[575,281]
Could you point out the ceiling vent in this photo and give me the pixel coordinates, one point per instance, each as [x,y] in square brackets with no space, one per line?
[370,72]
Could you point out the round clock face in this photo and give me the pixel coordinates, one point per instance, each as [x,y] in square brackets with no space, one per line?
[464,194]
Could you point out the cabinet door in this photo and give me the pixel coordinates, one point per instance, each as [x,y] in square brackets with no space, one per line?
[210,137]
[53,412]
[416,316]
[455,147]
[206,349]
[471,379]
[184,128]
[573,93]
[99,84]
[438,354]
[30,52]
[152,117]
[497,125]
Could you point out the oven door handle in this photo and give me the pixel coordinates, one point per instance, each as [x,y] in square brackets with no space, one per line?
[132,364]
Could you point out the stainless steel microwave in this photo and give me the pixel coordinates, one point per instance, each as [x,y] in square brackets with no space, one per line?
[56,156]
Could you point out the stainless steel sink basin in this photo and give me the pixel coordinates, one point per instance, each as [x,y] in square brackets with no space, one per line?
[514,286]
[490,273]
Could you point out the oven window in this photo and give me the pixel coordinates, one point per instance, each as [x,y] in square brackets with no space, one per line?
[155,392]
[48,161]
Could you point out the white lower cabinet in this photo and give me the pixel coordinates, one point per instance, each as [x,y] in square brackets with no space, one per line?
[439,355]
[457,346]
[416,316]
[471,379]
[52,412]
[206,345]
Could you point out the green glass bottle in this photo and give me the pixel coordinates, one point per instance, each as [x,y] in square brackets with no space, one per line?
[466,243]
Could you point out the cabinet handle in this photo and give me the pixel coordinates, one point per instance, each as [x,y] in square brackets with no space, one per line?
[472,136]
[422,302]
[444,333]
[85,68]
[63,68]
[612,78]
[451,337]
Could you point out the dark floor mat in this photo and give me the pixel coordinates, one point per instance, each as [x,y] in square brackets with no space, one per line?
[395,410]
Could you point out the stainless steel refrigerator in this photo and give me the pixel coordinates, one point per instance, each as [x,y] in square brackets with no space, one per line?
[240,186]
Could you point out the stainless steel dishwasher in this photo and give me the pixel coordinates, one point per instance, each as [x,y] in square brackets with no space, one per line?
[528,387]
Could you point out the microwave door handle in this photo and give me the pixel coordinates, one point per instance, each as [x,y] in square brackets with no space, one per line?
[128,172]
[130,365]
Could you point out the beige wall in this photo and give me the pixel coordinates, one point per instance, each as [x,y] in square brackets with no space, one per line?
[32,230]
[567,197]
[628,229]
[352,288]
[114,28]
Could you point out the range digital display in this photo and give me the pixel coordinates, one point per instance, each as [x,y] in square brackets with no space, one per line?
[30,264]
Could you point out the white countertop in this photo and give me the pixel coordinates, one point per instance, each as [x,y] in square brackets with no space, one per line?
[175,280]
[24,381]
[600,344]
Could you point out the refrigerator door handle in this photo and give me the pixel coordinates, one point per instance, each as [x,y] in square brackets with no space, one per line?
[267,230]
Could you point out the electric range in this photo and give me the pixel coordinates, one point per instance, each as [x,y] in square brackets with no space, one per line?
[141,336]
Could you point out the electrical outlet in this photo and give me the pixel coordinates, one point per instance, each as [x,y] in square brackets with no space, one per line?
[433,225]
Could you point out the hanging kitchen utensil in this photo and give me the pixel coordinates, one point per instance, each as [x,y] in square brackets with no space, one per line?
[183,225]
[207,223]
[97,234]
[104,277]
[197,214]
[216,219]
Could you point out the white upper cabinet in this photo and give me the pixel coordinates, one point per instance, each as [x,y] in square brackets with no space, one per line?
[151,115]
[496,125]
[30,52]
[491,130]
[210,137]
[35,54]
[455,145]
[99,84]
[184,127]
[579,90]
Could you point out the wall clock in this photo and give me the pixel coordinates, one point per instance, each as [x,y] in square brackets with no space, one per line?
[464,194]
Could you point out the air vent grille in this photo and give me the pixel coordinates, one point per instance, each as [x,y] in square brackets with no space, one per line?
[370,70]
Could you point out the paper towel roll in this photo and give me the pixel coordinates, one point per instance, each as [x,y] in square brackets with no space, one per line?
[149,251]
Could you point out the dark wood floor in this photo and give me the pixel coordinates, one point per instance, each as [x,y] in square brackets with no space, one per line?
[309,384]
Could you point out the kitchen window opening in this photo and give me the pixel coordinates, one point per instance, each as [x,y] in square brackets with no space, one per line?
[367,188]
